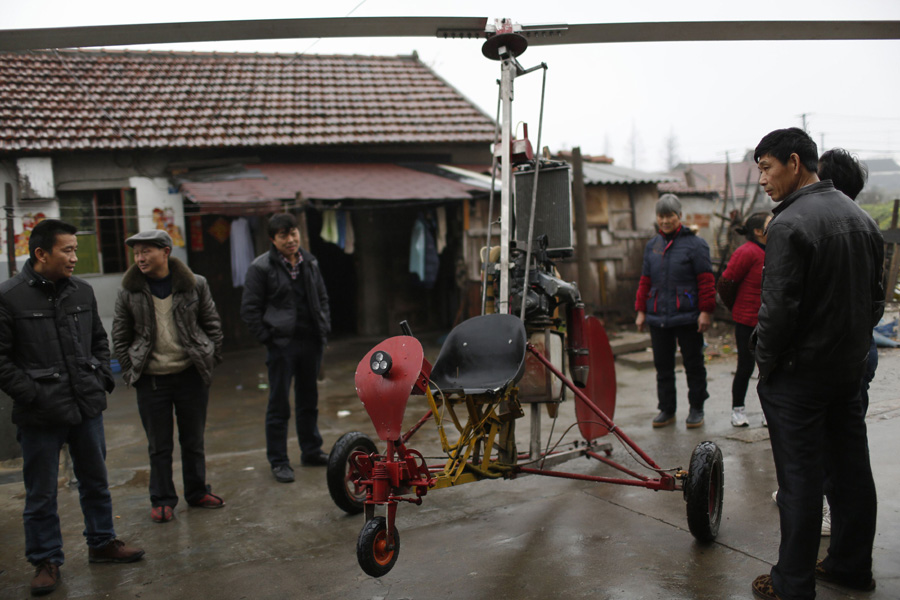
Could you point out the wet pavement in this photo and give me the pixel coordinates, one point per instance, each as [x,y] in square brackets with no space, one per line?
[527,538]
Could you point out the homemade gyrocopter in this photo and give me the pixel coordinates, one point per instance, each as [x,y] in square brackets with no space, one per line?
[492,366]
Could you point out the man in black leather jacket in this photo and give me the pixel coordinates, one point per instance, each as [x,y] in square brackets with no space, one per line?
[285,305]
[54,364]
[821,296]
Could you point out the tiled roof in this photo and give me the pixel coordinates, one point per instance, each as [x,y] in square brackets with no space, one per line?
[325,181]
[87,100]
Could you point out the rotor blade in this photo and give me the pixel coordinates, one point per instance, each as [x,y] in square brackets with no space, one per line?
[208,31]
[709,31]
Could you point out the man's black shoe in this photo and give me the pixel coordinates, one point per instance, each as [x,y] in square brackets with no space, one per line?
[316,459]
[847,582]
[283,473]
[663,418]
[695,419]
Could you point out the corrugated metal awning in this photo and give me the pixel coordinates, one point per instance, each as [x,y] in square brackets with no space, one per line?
[605,174]
[264,187]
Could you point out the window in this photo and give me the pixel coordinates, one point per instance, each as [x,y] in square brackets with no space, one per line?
[105,219]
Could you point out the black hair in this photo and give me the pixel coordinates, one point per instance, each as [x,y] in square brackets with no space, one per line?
[781,143]
[44,235]
[752,223]
[846,173]
[281,222]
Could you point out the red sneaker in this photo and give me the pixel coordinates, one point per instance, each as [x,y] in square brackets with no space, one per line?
[162,514]
[210,500]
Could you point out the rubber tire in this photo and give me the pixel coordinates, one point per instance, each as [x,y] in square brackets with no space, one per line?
[703,491]
[372,557]
[338,466]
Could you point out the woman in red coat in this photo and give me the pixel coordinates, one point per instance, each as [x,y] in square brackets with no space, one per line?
[740,287]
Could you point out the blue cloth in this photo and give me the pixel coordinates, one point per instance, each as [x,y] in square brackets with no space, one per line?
[423,256]
[299,360]
[157,397]
[40,457]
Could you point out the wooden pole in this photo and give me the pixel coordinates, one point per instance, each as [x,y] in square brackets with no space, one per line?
[582,252]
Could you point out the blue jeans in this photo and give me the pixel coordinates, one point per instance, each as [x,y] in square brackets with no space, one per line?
[818,432]
[158,396]
[300,360]
[40,455]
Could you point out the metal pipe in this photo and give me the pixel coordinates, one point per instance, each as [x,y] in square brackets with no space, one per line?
[613,429]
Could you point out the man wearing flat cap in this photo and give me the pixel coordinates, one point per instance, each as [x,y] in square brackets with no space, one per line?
[168,337]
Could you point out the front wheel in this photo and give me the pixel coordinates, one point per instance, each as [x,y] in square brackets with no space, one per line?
[341,474]
[376,557]
[703,491]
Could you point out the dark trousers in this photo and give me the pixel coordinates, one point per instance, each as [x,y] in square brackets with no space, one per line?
[691,343]
[818,431]
[40,457]
[871,365]
[300,360]
[746,363]
[157,397]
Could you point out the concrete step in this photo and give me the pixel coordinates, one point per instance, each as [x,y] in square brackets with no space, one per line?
[642,360]
[628,341]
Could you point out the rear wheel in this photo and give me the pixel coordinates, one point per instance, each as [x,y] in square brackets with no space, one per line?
[703,491]
[341,474]
[374,554]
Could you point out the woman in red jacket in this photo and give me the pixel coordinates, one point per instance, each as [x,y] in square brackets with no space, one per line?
[739,287]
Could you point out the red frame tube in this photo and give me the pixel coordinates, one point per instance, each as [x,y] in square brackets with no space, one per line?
[665,482]
[593,407]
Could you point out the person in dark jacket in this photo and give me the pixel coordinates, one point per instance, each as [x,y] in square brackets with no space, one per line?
[739,287]
[849,176]
[54,364]
[822,294]
[676,297]
[285,306]
[168,337]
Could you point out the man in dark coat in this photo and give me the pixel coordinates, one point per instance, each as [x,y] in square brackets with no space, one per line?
[168,337]
[54,364]
[285,306]
[822,294]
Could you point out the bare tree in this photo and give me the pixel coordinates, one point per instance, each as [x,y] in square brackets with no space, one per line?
[671,150]
[634,146]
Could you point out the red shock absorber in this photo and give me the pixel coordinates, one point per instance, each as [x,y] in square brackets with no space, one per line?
[579,361]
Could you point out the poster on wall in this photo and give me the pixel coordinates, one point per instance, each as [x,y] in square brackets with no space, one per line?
[28,223]
[165,220]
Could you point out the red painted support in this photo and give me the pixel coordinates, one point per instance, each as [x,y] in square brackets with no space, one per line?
[593,407]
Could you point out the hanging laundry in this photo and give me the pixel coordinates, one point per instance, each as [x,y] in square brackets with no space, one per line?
[441,236]
[349,235]
[241,251]
[423,256]
[329,231]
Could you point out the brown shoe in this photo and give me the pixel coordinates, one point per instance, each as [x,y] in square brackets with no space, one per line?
[115,552]
[764,588]
[854,584]
[46,578]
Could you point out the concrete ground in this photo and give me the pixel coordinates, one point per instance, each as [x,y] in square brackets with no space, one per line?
[528,538]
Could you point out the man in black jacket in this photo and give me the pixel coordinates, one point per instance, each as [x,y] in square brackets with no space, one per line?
[821,296]
[285,306]
[54,364]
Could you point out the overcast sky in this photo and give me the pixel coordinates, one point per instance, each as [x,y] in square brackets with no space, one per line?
[623,100]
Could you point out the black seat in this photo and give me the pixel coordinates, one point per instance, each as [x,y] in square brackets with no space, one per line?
[482,355]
